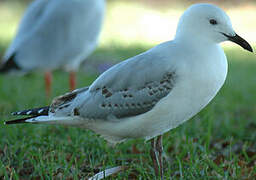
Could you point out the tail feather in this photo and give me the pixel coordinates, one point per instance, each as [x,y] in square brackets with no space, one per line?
[73,121]
[18,121]
[68,120]
[42,111]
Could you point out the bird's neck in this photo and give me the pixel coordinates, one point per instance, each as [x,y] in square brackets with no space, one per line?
[194,40]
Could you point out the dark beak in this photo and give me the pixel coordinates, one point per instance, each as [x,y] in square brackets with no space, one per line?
[240,41]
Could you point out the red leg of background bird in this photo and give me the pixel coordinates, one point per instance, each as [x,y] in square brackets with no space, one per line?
[48,83]
[72,80]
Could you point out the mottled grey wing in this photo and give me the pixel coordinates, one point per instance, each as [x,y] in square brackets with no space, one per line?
[129,102]
[64,104]
[130,88]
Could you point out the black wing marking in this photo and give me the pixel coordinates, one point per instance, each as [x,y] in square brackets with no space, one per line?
[58,103]
[32,113]
[42,111]
[18,121]
[9,65]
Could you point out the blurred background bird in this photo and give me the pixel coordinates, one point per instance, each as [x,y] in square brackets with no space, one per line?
[55,34]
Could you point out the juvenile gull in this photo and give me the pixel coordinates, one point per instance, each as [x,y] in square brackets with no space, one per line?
[55,34]
[153,92]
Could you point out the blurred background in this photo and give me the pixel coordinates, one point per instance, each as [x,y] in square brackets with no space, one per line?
[138,22]
[220,142]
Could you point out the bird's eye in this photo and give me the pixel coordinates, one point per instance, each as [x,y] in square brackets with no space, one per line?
[213,21]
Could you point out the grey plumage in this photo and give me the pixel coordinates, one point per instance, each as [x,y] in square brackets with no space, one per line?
[130,88]
[126,102]
[113,95]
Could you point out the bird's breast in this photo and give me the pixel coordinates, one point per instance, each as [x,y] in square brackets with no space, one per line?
[196,85]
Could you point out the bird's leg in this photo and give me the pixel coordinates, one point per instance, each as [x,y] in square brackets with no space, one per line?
[159,149]
[72,80]
[48,83]
[154,157]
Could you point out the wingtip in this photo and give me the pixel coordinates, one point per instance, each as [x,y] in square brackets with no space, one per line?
[14,113]
[17,121]
[32,112]
[9,65]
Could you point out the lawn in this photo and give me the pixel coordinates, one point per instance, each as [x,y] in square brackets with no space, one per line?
[218,143]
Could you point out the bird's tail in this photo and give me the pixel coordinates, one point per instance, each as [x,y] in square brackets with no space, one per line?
[41,115]
[71,121]
[18,121]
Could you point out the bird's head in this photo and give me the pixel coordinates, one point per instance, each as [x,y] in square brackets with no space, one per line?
[208,23]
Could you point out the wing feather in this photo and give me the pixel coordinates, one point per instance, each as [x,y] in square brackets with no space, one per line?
[129,101]
[130,88]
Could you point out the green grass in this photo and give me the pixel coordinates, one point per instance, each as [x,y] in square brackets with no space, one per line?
[218,143]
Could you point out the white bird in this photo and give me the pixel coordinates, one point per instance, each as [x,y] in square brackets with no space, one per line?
[153,92]
[55,34]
